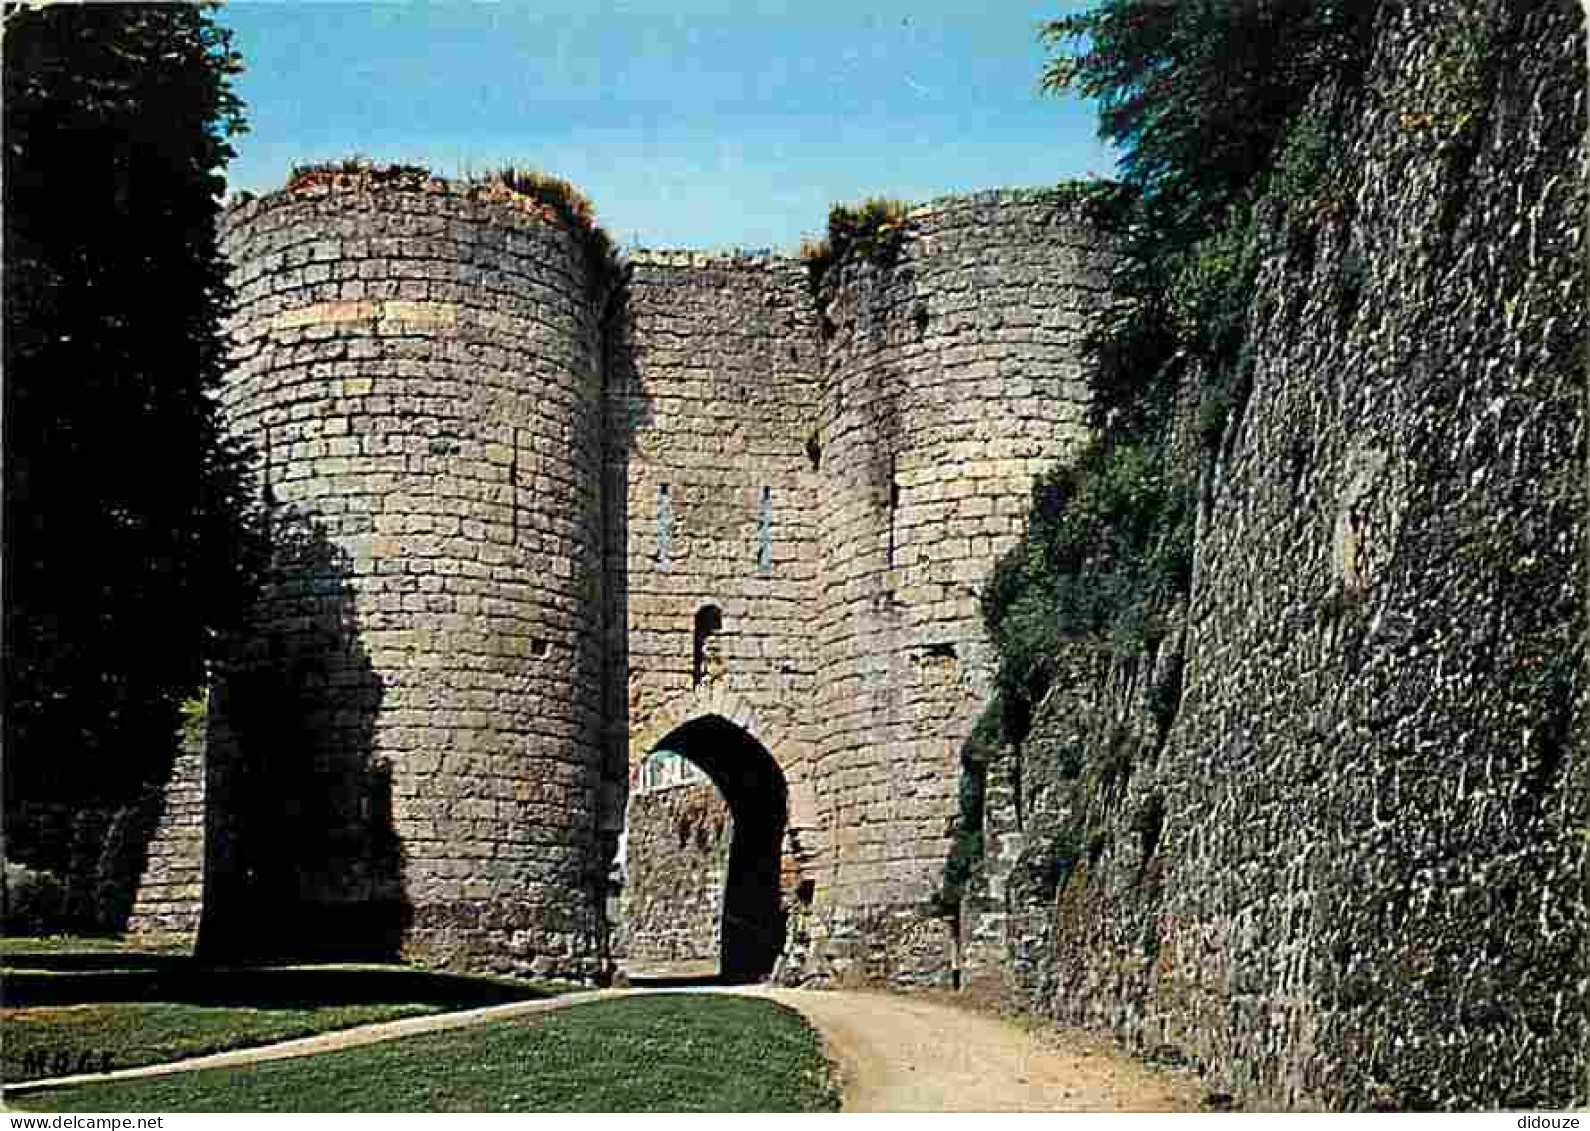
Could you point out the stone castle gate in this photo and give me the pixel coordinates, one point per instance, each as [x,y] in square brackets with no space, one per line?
[531,526]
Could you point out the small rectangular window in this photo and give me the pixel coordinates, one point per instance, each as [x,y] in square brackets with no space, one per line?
[764,533]
[665,526]
[894,511]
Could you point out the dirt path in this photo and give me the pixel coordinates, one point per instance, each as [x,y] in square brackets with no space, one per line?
[900,1053]
[894,1053]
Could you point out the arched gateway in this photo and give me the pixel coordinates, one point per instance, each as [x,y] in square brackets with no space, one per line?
[536,520]
[703,856]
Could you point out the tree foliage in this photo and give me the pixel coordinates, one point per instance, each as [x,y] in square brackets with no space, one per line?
[1198,94]
[1202,97]
[1205,100]
[126,512]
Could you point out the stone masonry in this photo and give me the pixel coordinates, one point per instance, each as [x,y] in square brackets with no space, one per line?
[676,867]
[1350,871]
[420,374]
[951,378]
[1325,839]
[529,523]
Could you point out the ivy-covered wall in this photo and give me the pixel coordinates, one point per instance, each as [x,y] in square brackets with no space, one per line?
[1324,830]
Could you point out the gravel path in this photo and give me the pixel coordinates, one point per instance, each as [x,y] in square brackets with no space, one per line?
[895,1053]
[898,1053]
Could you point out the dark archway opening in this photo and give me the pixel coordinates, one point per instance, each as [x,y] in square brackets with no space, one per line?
[752,919]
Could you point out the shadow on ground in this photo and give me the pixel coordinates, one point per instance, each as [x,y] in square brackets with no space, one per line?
[675,982]
[84,978]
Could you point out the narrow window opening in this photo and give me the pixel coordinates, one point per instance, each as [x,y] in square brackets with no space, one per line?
[894,512]
[707,661]
[665,526]
[513,488]
[764,533]
[267,495]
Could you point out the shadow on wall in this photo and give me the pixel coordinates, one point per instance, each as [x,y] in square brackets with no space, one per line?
[629,412]
[73,866]
[303,858]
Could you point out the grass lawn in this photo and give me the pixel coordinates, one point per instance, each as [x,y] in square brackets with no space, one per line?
[656,1052]
[82,1005]
[61,1040]
[35,945]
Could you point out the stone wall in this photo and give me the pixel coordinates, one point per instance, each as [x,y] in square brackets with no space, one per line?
[170,892]
[1352,874]
[984,921]
[677,863]
[1351,871]
[712,399]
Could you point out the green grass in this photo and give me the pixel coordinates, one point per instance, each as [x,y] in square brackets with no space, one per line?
[660,1052]
[61,1040]
[28,946]
[76,1004]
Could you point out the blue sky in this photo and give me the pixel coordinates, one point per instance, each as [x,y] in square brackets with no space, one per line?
[689,123]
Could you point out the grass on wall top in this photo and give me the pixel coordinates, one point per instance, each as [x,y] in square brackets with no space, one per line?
[564,201]
[873,230]
[552,198]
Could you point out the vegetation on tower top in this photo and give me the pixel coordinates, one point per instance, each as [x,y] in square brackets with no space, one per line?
[552,198]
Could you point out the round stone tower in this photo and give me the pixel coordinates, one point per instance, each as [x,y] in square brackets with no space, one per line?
[952,376]
[409,754]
